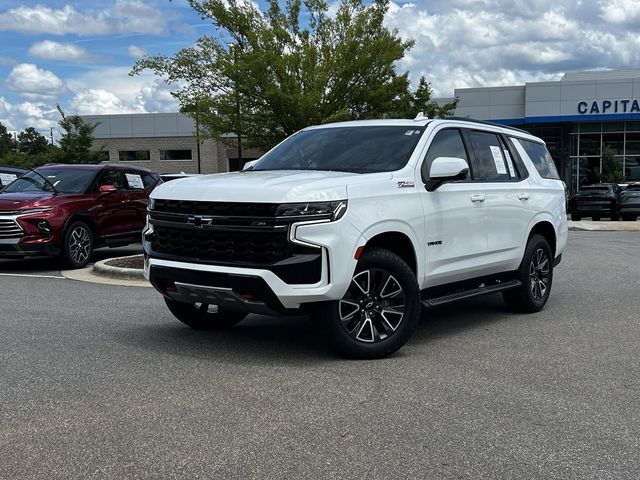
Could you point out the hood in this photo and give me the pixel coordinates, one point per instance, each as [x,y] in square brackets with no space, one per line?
[275,186]
[19,201]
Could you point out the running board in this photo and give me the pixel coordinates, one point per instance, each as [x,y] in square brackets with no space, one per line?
[475,292]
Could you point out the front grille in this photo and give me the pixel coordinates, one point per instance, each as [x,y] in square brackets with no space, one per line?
[235,234]
[9,229]
[225,209]
[260,247]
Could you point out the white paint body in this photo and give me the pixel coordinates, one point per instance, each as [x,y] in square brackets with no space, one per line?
[483,227]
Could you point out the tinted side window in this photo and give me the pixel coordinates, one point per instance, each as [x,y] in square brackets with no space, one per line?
[112,177]
[150,180]
[489,163]
[541,159]
[446,143]
[522,169]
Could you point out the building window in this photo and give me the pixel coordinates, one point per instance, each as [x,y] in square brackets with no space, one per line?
[175,155]
[133,155]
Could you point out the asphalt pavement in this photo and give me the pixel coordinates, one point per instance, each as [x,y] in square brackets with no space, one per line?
[99,381]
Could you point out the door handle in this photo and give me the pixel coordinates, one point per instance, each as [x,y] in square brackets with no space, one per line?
[478,198]
[523,196]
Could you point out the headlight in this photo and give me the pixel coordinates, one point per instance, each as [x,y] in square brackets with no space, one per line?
[29,211]
[332,210]
[152,203]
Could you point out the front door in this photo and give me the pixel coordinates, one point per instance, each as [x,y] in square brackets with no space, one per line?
[455,217]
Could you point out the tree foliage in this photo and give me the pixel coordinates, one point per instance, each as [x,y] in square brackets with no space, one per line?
[31,142]
[611,167]
[268,75]
[77,139]
[6,141]
[412,103]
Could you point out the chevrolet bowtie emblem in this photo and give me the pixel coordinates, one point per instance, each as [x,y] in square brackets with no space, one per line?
[200,221]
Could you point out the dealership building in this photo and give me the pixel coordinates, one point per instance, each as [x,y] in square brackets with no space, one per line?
[164,143]
[578,117]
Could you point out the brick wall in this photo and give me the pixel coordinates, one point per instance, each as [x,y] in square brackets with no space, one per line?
[213,154]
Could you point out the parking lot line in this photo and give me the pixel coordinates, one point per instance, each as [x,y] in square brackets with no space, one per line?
[30,275]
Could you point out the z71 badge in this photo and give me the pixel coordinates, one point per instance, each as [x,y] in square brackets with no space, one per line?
[406,184]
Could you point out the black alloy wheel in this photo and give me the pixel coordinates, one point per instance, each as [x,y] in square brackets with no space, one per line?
[78,245]
[379,311]
[373,307]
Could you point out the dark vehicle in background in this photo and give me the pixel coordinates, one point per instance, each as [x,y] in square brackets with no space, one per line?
[69,210]
[629,202]
[9,174]
[595,201]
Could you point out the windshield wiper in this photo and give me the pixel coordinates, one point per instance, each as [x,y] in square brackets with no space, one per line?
[53,187]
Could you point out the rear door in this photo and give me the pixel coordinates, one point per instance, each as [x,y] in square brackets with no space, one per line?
[455,216]
[507,195]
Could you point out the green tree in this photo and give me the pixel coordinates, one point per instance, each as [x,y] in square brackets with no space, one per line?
[268,75]
[412,103]
[31,142]
[77,139]
[611,167]
[6,141]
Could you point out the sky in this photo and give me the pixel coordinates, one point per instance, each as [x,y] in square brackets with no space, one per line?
[79,53]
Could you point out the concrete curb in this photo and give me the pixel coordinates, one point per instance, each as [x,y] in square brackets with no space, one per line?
[103,269]
[610,226]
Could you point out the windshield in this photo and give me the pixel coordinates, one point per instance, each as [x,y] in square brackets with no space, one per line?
[65,180]
[345,149]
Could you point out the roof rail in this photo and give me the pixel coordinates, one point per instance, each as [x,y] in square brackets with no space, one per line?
[483,122]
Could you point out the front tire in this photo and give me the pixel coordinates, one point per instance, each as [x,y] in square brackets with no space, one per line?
[201,317]
[380,310]
[77,245]
[536,274]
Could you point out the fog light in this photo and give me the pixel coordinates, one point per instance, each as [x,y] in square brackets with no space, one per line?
[44,227]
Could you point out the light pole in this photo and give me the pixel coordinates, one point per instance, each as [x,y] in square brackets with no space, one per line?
[198,136]
[233,46]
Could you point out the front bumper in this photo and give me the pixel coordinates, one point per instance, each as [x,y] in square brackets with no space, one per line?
[21,250]
[339,241]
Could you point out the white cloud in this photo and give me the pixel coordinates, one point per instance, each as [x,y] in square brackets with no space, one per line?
[123,17]
[471,43]
[97,102]
[34,83]
[40,115]
[620,11]
[136,52]
[69,52]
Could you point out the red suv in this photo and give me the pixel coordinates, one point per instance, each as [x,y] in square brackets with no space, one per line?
[69,210]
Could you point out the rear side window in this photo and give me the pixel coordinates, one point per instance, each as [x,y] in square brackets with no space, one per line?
[446,143]
[489,164]
[541,159]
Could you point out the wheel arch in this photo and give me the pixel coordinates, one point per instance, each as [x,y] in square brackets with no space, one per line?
[82,217]
[396,242]
[548,231]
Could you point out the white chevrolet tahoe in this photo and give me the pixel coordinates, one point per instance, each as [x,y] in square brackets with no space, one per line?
[362,224]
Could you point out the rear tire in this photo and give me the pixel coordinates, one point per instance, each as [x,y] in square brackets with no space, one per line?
[575,218]
[200,316]
[77,245]
[379,312]
[536,274]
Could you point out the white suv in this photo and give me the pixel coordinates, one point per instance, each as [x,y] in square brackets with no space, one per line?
[362,223]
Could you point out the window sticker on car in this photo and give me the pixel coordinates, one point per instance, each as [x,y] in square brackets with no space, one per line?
[512,170]
[498,160]
[134,181]
[7,178]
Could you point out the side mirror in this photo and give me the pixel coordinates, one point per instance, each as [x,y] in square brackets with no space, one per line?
[108,189]
[249,165]
[446,169]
